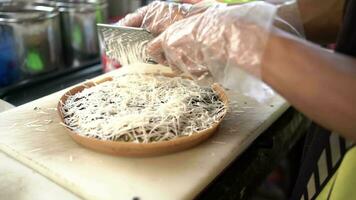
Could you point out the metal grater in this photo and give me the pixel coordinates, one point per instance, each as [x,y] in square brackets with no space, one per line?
[118,40]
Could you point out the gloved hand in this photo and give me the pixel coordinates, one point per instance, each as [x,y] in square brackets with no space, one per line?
[158,15]
[217,41]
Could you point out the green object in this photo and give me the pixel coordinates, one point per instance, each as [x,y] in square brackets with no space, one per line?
[326,190]
[99,14]
[77,36]
[34,61]
[342,185]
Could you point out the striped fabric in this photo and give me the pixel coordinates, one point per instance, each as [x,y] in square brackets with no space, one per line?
[322,171]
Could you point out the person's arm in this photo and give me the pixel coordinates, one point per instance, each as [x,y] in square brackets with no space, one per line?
[159,15]
[321,19]
[317,82]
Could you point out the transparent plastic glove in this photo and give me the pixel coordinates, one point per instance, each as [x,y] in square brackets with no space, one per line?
[289,19]
[158,15]
[218,41]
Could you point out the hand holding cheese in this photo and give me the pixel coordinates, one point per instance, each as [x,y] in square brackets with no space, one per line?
[218,41]
[158,15]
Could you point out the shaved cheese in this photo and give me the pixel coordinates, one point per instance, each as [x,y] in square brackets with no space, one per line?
[134,52]
[142,108]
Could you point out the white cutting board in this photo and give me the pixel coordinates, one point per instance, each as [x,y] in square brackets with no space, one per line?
[50,151]
[18,182]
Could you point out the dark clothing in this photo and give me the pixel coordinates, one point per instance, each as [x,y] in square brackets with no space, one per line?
[320,144]
[347,38]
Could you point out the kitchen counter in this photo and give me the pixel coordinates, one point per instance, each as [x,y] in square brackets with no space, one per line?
[45,84]
[237,181]
[241,179]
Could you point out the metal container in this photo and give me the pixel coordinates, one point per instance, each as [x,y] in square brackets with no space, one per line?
[78,22]
[119,8]
[30,40]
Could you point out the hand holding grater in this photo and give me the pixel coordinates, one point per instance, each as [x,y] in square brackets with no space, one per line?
[123,44]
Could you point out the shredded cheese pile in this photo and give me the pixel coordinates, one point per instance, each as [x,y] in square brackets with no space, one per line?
[142,109]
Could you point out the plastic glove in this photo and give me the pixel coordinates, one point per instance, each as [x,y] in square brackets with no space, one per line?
[158,15]
[217,41]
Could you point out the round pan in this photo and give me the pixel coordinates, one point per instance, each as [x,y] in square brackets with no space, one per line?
[131,149]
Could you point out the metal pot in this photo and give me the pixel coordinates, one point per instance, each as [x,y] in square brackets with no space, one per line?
[78,22]
[119,8]
[30,40]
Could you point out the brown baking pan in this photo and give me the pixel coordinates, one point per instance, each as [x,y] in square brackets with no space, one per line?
[131,149]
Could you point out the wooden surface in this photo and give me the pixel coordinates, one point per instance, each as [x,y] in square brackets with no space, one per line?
[91,175]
